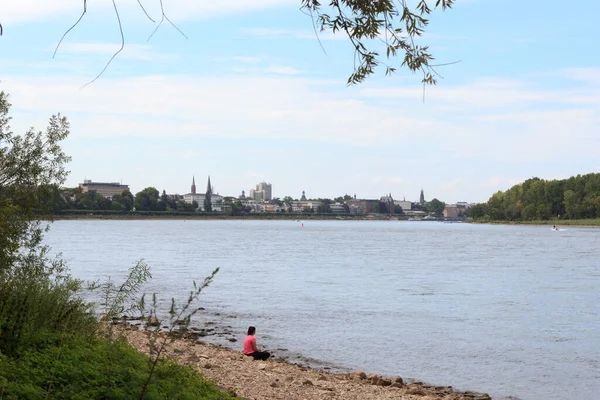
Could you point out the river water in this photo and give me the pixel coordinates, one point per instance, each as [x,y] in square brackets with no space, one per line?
[507,310]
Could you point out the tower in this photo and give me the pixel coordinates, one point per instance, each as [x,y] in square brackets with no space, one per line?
[303,198]
[193,184]
[208,197]
[422,198]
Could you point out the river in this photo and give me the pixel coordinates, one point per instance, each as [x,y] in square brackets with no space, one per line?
[507,310]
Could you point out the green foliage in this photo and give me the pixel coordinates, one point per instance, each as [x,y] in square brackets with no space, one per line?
[369,22]
[147,200]
[436,207]
[535,199]
[177,317]
[122,299]
[77,368]
[31,165]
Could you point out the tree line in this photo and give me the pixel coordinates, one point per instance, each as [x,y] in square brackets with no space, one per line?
[577,197]
[58,200]
[148,199]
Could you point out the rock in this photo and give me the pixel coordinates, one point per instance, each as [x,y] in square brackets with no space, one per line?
[483,396]
[262,366]
[274,384]
[322,378]
[208,366]
[330,394]
[417,391]
[232,339]
[307,382]
[384,382]
[358,375]
[397,379]
[373,378]
[289,378]
[153,321]
[248,358]
[396,385]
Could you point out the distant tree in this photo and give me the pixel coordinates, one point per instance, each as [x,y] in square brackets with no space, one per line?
[347,197]
[288,199]
[376,208]
[116,206]
[126,199]
[208,198]
[147,199]
[398,210]
[324,208]
[436,207]
[307,210]
[163,203]
[277,201]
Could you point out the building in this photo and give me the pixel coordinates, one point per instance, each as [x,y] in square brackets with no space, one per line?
[422,198]
[405,205]
[299,206]
[453,211]
[215,199]
[104,189]
[263,192]
[387,204]
[338,208]
[361,206]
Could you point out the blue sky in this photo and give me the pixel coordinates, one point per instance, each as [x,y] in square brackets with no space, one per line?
[251,96]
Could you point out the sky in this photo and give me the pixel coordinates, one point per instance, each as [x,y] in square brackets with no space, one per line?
[249,95]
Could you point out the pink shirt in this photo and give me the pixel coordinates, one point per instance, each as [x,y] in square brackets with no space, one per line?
[248,342]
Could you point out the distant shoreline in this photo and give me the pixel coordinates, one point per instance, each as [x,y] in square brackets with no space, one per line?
[591,223]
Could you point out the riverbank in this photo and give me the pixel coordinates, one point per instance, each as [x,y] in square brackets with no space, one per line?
[595,222]
[277,379]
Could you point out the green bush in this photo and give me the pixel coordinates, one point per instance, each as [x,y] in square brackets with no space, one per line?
[39,298]
[76,368]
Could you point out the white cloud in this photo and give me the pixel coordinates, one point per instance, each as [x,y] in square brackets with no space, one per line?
[19,11]
[283,70]
[588,75]
[130,51]
[449,136]
[280,33]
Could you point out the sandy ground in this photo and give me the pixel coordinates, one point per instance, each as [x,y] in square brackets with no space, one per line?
[275,379]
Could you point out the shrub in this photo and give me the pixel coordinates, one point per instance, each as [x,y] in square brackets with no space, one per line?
[76,368]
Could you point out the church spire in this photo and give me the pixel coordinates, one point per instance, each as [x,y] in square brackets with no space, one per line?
[422,198]
[208,186]
[193,184]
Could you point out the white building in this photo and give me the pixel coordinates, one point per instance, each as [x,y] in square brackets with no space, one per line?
[216,200]
[405,205]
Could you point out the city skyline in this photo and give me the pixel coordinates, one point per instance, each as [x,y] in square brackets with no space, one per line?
[192,190]
[263,101]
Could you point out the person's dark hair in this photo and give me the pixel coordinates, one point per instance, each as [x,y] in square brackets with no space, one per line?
[251,330]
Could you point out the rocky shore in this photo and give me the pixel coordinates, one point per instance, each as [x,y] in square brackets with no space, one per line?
[277,379]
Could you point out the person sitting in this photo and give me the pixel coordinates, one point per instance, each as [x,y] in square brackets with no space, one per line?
[250,348]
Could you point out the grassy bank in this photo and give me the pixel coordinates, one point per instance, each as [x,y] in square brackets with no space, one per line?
[72,367]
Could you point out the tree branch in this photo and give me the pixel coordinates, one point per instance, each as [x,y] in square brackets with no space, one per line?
[162,19]
[117,52]
[145,12]
[69,30]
